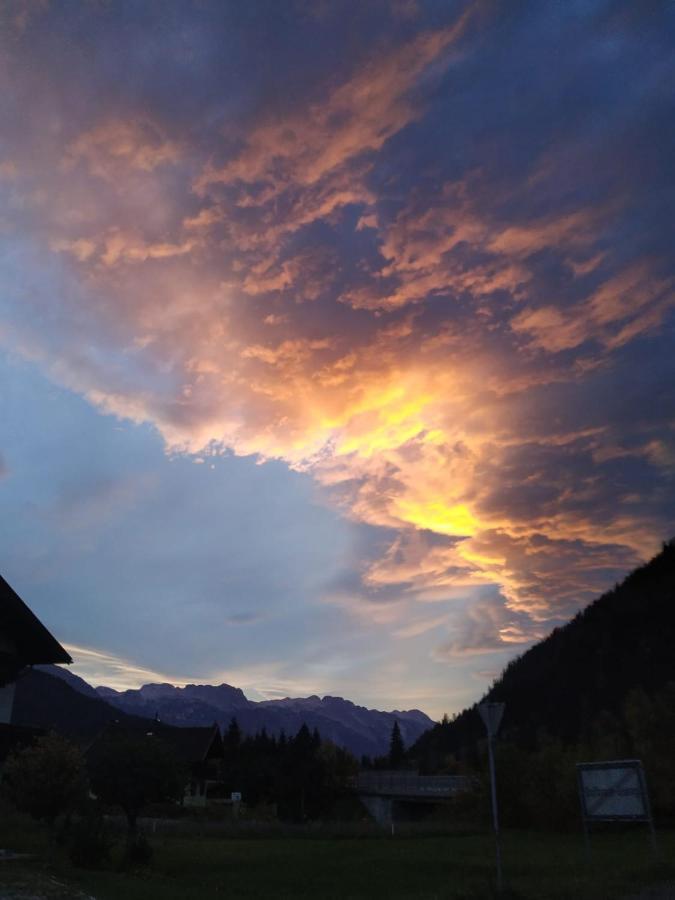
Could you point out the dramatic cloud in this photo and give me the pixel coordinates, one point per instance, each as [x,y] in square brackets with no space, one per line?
[423,265]
[486,626]
[112,148]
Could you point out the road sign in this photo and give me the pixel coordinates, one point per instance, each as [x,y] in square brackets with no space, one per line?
[614,791]
[491,714]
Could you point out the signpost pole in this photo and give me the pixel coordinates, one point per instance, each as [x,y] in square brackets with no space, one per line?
[495,814]
[584,820]
[491,714]
[648,810]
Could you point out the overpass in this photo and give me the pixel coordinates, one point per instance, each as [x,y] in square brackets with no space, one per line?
[386,793]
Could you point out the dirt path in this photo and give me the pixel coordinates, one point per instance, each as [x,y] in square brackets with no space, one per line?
[26,885]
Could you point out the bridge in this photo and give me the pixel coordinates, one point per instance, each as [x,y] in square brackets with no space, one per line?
[384,794]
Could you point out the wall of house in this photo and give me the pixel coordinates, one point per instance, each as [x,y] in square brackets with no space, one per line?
[7,702]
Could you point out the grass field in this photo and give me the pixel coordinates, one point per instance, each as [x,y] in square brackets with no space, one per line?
[536,866]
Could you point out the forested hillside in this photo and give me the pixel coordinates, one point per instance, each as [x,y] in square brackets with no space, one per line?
[584,682]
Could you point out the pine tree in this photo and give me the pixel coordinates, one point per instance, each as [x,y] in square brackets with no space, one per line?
[233,736]
[303,747]
[396,747]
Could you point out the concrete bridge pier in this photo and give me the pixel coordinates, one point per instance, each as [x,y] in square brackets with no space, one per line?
[380,808]
[392,797]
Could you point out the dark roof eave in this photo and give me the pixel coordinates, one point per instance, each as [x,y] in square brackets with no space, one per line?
[35,644]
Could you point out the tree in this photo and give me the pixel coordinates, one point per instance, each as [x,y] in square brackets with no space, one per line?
[46,779]
[303,746]
[396,747]
[299,781]
[650,723]
[232,738]
[133,771]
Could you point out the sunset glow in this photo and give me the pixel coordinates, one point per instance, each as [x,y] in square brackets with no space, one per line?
[372,253]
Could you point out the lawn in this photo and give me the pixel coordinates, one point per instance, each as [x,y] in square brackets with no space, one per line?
[536,866]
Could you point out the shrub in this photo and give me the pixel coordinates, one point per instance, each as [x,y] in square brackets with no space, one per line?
[134,771]
[90,843]
[46,779]
[138,851]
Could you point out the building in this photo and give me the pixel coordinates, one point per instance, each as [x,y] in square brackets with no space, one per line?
[24,641]
[198,748]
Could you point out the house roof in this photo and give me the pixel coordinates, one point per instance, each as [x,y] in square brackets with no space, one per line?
[194,744]
[24,638]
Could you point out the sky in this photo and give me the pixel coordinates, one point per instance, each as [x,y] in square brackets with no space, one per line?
[336,338]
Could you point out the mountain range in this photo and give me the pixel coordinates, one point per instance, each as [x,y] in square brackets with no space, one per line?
[361,731]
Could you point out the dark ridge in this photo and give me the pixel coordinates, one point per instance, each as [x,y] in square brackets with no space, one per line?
[46,702]
[624,640]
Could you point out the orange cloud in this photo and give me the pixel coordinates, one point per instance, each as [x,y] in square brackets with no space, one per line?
[356,117]
[626,305]
[117,246]
[424,249]
[413,386]
[114,147]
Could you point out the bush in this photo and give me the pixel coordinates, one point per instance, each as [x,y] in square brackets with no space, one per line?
[134,771]
[90,843]
[138,851]
[46,779]
[537,789]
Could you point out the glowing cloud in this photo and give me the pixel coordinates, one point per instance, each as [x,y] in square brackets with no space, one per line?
[382,288]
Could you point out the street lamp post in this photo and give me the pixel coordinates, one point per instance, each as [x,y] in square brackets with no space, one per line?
[491,714]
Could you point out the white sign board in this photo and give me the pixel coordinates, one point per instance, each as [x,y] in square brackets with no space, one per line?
[613,790]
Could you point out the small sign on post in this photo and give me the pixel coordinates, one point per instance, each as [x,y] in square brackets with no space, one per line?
[235,798]
[614,791]
[491,714]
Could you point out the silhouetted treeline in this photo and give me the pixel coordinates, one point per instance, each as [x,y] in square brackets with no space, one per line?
[600,687]
[301,775]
